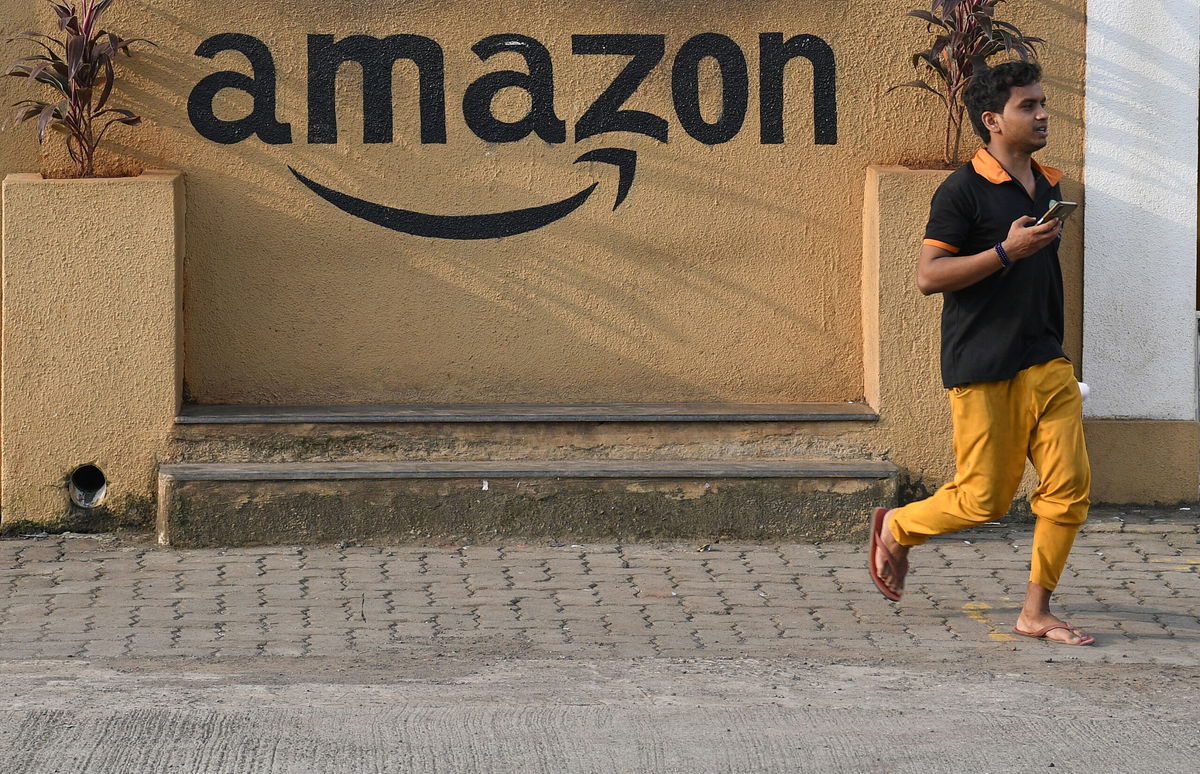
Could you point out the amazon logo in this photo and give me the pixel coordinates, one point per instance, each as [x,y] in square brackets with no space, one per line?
[606,114]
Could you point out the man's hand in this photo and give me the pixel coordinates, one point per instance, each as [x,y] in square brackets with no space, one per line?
[939,270]
[1024,239]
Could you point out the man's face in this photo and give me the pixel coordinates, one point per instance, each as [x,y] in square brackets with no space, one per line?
[1022,125]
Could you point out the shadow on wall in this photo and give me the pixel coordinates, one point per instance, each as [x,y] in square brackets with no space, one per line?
[1139,166]
[288,300]
[1156,170]
[727,275]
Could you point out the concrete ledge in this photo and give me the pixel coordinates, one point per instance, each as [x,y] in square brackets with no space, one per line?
[331,471]
[528,412]
[1140,461]
[227,442]
[208,505]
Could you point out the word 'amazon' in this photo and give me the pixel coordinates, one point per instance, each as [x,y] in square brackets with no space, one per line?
[606,113]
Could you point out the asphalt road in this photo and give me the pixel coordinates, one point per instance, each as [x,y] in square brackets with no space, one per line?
[473,714]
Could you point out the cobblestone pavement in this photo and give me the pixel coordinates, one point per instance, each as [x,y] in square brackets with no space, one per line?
[1133,581]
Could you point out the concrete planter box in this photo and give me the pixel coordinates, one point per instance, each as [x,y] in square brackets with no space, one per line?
[901,360]
[91,370]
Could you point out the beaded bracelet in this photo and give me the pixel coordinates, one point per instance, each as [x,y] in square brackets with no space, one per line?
[1003,255]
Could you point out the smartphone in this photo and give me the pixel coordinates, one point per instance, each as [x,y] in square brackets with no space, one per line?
[1058,210]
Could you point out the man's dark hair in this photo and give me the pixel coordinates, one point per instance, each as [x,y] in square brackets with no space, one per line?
[989,91]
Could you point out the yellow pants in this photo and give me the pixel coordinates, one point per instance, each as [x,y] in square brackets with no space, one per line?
[1036,414]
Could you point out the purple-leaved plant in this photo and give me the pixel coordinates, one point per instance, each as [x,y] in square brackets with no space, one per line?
[78,66]
[966,34]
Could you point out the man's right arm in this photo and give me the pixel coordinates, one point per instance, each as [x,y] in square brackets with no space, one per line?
[940,271]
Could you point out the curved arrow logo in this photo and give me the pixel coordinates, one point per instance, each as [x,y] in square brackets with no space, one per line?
[486,226]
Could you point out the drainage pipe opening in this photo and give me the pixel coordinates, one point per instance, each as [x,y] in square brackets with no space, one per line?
[87,485]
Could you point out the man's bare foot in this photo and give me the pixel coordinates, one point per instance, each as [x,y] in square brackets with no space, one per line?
[1036,617]
[1052,628]
[888,542]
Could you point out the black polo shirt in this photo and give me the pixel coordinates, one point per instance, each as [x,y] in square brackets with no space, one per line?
[1012,319]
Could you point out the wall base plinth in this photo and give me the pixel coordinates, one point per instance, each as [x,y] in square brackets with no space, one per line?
[1143,461]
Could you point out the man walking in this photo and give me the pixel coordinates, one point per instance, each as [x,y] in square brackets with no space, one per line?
[1013,393]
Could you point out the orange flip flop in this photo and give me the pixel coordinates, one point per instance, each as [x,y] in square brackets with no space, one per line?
[898,568]
[1040,634]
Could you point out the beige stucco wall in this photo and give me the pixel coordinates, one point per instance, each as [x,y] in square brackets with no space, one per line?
[901,363]
[18,150]
[731,272]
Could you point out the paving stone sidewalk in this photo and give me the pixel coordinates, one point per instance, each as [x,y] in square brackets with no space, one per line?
[1133,581]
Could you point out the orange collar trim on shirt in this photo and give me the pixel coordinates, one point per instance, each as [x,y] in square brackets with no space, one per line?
[989,169]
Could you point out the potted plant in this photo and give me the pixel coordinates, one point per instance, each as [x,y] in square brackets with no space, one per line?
[90,302]
[901,355]
[78,68]
[966,34]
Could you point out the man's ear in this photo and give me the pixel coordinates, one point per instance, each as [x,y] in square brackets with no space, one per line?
[991,121]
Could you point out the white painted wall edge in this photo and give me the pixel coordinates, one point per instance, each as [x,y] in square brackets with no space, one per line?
[1140,162]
